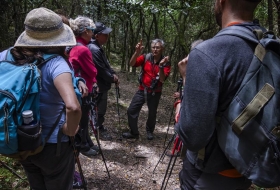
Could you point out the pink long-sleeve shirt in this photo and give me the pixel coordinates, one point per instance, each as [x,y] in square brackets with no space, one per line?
[81,59]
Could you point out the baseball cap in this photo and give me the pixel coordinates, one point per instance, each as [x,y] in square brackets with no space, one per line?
[101,28]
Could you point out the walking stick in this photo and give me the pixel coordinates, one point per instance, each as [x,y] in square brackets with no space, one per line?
[177,147]
[118,108]
[163,154]
[93,123]
[11,170]
[179,88]
[171,116]
[76,156]
[118,96]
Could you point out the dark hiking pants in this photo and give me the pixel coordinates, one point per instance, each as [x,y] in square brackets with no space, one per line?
[193,179]
[83,131]
[134,109]
[47,171]
[102,107]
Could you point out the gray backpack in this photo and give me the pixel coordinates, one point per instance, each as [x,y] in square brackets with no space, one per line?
[249,130]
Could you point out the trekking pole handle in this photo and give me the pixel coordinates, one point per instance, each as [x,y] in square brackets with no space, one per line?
[179,84]
[117,90]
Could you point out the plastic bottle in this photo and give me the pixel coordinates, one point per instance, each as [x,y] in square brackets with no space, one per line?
[27,116]
[29,124]
[26,132]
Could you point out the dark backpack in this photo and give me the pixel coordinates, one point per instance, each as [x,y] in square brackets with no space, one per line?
[249,130]
[140,77]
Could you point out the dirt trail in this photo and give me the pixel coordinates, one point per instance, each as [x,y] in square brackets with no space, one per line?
[131,162]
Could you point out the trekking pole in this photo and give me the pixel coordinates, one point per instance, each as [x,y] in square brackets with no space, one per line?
[177,146]
[76,156]
[95,129]
[11,170]
[118,96]
[179,87]
[171,116]
[118,108]
[163,154]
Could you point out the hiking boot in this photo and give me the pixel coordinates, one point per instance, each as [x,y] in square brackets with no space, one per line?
[150,136]
[103,129]
[89,153]
[95,148]
[104,134]
[128,135]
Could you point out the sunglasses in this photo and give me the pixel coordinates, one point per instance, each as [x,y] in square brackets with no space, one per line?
[89,28]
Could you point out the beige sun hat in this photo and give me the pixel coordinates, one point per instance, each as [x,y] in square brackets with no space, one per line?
[44,28]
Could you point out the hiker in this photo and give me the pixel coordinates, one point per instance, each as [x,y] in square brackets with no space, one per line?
[214,73]
[182,69]
[81,59]
[178,95]
[45,169]
[105,74]
[155,69]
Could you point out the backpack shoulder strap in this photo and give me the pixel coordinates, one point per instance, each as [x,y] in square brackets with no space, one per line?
[9,56]
[253,35]
[47,57]
[147,57]
[55,124]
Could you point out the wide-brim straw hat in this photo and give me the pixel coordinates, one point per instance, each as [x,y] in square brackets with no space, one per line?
[44,28]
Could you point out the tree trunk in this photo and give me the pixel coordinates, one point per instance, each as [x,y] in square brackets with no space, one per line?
[270,15]
[277,4]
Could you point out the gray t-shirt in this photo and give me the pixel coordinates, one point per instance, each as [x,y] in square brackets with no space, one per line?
[51,103]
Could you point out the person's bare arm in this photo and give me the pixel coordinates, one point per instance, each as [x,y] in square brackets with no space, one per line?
[139,47]
[182,65]
[161,71]
[63,84]
[83,89]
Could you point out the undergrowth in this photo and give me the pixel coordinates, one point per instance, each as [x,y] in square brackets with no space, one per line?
[9,169]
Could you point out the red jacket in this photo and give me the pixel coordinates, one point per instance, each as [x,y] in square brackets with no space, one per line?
[150,71]
[81,59]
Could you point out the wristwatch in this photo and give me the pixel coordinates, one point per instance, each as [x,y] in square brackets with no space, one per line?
[161,67]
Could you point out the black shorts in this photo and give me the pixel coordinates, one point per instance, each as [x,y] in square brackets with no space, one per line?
[48,171]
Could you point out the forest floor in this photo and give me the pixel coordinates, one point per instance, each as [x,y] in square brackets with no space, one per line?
[131,162]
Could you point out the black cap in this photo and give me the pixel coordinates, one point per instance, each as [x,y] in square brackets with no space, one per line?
[101,28]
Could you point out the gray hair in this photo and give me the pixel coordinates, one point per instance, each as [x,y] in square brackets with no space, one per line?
[80,24]
[195,43]
[158,41]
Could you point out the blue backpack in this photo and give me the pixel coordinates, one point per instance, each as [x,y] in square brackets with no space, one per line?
[20,90]
[249,130]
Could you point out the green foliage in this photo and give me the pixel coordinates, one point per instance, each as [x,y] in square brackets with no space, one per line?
[8,180]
